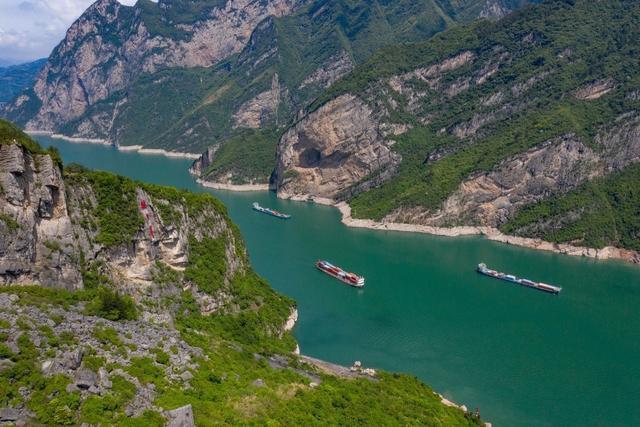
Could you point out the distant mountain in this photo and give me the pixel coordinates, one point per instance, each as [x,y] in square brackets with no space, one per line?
[186,76]
[16,78]
[6,62]
[530,124]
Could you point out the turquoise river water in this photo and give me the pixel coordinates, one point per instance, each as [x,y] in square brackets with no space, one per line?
[525,358]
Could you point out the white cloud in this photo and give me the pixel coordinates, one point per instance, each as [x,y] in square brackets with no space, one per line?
[30,29]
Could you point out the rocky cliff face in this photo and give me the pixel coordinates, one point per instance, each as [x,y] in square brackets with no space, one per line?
[490,199]
[258,111]
[110,45]
[552,168]
[37,240]
[335,147]
[345,147]
[182,75]
[328,73]
[50,233]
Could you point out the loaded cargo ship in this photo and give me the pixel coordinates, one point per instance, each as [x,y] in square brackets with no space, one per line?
[482,269]
[350,279]
[271,212]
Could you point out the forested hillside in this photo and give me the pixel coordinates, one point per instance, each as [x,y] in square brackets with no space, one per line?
[187,76]
[484,120]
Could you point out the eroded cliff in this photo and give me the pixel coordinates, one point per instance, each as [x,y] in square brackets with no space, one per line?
[335,147]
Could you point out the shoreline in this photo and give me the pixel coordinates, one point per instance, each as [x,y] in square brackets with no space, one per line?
[232,187]
[490,233]
[137,148]
[493,234]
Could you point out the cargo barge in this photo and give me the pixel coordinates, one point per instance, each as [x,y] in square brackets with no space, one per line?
[482,269]
[272,212]
[350,279]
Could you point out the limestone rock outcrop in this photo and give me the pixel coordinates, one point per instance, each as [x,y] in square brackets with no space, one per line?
[256,112]
[37,240]
[552,168]
[331,149]
[334,68]
[490,199]
[49,232]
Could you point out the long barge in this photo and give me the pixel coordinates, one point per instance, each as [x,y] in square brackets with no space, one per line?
[272,212]
[482,269]
[350,279]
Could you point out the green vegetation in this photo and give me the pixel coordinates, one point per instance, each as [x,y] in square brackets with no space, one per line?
[207,263]
[605,211]
[166,21]
[573,43]
[52,245]
[165,275]
[11,224]
[248,156]
[223,390]
[53,405]
[190,109]
[102,301]
[12,134]
[107,336]
[117,211]
[172,203]
[111,305]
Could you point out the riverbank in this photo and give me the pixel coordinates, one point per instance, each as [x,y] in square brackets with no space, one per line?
[137,148]
[608,252]
[232,187]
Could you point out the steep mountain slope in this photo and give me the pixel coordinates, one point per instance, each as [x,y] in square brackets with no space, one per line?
[184,76]
[481,121]
[16,78]
[110,45]
[150,314]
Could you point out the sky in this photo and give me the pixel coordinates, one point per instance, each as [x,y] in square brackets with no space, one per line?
[30,29]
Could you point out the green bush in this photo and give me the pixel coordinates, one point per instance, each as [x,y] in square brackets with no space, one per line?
[107,336]
[207,263]
[112,305]
[117,210]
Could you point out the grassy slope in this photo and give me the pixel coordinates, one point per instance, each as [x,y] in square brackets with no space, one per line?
[223,390]
[248,156]
[611,30]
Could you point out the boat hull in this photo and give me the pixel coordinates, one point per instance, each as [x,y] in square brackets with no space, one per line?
[345,278]
[270,212]
[482,269]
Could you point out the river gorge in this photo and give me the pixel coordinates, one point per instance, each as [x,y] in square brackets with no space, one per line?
[523,357]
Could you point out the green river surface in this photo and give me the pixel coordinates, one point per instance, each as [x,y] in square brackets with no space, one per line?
[524,357]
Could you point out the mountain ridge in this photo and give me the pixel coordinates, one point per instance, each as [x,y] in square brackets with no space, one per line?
[487,119]
[197,103]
